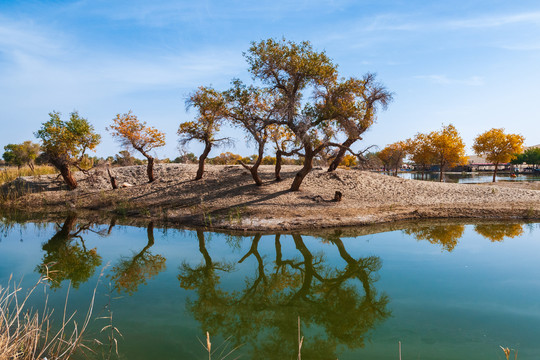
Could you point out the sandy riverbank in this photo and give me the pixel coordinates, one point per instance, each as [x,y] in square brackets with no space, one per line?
[227,198]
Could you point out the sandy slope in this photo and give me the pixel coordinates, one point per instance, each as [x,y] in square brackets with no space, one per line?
[227,197]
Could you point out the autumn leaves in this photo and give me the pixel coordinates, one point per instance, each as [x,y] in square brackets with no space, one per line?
[445,148]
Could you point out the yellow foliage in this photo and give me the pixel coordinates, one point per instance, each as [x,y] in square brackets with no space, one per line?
[420,150]
[131,132]
[349,160]
[448,147]
[498,147]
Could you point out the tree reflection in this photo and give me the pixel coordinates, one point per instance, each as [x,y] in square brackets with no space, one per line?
[130,272]
[264,312]
[445,235]
[497,232]
[67,257]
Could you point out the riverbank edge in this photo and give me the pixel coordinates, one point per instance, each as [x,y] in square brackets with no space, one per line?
[379,220]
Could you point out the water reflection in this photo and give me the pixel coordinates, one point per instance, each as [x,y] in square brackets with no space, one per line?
[497,232]
[445,235]
[448,235]
[132,271]
[263,314]
[66,256]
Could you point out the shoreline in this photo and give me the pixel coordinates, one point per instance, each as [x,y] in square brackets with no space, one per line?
[227,199]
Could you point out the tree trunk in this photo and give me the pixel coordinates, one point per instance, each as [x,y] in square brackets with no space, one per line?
[254,169]
[202,158]
[340,155]
[440,173]
[278,165]
[495,172]
[308,165]
[68,176]
[114,184]
[150,169]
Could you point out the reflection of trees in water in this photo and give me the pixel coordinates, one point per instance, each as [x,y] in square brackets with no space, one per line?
[449,235]
[497,232]
[445,235]
[67,257]
[132,271]
[265,311]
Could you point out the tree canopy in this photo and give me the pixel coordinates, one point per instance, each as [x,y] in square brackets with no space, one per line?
[448,148]
[21,154]
[498,147]
[211,112]
[132,133]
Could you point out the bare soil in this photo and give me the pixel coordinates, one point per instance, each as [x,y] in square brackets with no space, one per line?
[227,198]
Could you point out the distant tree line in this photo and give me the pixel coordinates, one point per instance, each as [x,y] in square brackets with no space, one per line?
[446,149]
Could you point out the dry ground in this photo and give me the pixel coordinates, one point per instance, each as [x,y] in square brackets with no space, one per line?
[227,198]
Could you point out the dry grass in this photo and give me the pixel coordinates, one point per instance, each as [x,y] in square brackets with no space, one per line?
[10,173]
[27,334]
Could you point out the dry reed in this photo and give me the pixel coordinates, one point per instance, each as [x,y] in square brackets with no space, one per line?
[27,334]
[10,173]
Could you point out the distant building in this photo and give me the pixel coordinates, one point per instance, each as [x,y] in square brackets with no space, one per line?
[479,163]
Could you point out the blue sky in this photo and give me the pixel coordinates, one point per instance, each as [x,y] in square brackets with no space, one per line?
[472,63]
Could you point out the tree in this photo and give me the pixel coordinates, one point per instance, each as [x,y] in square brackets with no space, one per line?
[210,105]
[530,156]
[421,152]
[252,109]
[448,148]
[498,147]
[295,72]
[284,145]
[65,143]
[20,154]
[131,133]
[358,116]
[392,156]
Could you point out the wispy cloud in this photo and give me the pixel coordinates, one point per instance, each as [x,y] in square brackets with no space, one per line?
[494,21]
[38,64]
[445,80]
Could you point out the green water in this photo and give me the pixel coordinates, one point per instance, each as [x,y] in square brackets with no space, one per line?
[448,291]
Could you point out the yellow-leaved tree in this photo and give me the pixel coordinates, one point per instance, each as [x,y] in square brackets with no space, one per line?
[421,152]
[498,147]
[65,142]
[211,109]
[448,148]
[132,133]
[392,156]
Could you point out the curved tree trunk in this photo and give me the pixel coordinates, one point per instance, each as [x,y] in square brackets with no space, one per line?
[308,165]
[150,169]
[340,155]
[67,175]
[495,172]
[254,169]
[202,158]
[277,169]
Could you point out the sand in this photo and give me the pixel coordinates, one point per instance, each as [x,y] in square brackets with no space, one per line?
[227,198]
